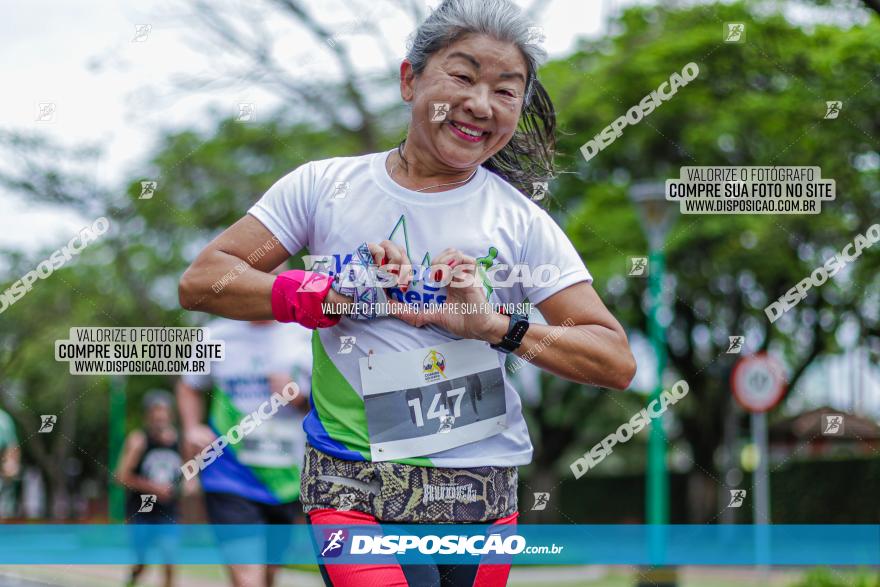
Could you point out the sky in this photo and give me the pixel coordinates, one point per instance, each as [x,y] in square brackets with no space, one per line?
[111,85]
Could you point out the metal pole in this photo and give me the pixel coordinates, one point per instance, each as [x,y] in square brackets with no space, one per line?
[116,493]
[659,574]
[656,216]
[729,435]
[658,481]
[762,477]
[761,489]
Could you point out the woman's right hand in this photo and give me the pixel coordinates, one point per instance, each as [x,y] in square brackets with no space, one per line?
[393,256]
[388,256]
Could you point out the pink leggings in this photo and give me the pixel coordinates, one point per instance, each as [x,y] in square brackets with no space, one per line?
[484,575]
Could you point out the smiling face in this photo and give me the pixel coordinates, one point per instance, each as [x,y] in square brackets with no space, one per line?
[483,81]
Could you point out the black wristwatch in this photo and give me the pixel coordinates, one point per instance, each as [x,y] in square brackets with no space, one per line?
[516,330]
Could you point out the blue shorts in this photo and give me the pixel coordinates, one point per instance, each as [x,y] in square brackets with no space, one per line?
[227,508]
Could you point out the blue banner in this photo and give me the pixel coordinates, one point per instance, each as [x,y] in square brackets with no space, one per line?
[523,544]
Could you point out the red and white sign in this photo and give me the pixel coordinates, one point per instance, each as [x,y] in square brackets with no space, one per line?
[758,382]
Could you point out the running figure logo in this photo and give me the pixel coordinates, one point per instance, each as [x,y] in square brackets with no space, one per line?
[832,109]
[141,32]
[247,112]
[148,188]
[833,425]
[541,501]
[638,266]
[539,190]
[735,32]
[340,190]
[446,423]
[535,35]
[333,544]
[45,112]
[47,423]
[317,263]
[147,503]
[439,111]
[735,344]
[736,498]
[485,263]
[346,344]
[346,502]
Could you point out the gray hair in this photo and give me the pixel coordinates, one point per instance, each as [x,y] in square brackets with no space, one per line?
[528,157]
[158,397]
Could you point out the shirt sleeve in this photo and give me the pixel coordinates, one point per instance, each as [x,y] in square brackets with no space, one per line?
[286,208]
[548,246]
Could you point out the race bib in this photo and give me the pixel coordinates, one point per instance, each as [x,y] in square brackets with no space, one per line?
[432,399]
[274,443]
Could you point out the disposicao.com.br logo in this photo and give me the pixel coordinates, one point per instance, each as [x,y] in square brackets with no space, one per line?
[402,544]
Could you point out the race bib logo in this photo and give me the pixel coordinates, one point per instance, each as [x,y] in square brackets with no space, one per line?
[434,366]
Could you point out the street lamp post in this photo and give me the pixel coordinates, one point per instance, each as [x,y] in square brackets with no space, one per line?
[658,478]
[656,216]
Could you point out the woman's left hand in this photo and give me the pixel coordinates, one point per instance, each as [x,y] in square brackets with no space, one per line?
[466,312]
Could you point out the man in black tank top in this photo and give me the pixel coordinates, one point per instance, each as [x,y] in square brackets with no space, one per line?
[149,468]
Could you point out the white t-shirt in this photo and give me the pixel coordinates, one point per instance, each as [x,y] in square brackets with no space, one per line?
[239,384]
[253,352]
[332,206]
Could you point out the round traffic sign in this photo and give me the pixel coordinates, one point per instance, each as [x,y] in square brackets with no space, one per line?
[758,382]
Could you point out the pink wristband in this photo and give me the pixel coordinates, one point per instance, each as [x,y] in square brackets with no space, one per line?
[297,296]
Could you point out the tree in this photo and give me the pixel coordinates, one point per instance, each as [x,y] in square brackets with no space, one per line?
[757,103]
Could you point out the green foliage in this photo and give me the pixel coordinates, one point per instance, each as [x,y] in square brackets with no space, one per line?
[801,492]
[760,102]
[822,577]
